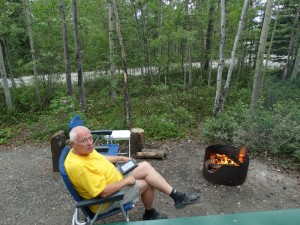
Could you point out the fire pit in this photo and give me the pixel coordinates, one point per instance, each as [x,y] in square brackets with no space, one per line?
[225,164]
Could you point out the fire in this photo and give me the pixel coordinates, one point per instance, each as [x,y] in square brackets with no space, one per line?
[242,154]
[224,159]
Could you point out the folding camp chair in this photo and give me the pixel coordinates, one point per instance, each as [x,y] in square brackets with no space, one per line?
[90,217]
[107,148]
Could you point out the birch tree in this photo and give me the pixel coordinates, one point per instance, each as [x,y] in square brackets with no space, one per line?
[221,60]
[232,59]
[125,74]
[66,48]
[78,57]
[33,55]
[260,54]
[271,43]
[4,81]
[9,63]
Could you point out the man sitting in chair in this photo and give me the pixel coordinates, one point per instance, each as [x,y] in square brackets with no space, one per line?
[93,174]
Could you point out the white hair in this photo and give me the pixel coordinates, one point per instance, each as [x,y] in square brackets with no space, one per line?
[74,132]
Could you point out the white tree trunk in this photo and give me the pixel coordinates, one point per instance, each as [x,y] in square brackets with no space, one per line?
[221,62]
[30,34]
[233,51]
[66,48]
[4,81]
[261,53]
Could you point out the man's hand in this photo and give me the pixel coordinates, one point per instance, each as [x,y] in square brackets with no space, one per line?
[130,180]
[114,159]
[114,187]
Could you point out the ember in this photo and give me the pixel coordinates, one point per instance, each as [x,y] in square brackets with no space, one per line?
[224,159]
[221,159]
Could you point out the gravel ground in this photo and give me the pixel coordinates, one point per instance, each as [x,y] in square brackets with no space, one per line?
[31,193]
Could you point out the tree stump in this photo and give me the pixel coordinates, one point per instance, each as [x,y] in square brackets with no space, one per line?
[58,142]
[137,140]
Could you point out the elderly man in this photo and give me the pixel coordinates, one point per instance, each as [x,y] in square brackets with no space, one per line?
[93,174]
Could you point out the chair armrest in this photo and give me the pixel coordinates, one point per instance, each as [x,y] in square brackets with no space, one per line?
[98,200]
[102,132]
[101,148]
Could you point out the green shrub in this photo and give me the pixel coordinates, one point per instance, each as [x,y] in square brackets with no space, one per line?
[5,135]
[63,104]
[274,131]
[224,126]
[183,117]
[159,128]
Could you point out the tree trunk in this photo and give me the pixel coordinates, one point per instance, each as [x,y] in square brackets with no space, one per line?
[113,81]
[66,48]
[296,66]
[260,54]
[232,60]
[293,41]
[137,140]
[159,50]
[125,75]
[270,47]
[29,29]
[78,57]
[221,62]
[141,53]
[4,81]
[208,38]
[8,58]
[147,43]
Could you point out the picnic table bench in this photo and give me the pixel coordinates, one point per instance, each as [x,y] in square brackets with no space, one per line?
[275,217]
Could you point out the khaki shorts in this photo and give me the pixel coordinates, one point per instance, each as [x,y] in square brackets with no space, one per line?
[131,194]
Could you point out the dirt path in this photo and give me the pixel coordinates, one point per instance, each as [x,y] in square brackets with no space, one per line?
[32,194]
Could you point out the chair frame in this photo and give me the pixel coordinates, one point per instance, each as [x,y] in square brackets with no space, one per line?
[83,205]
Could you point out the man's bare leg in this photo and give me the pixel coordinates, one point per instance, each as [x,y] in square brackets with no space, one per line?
[147,194]
[146,172]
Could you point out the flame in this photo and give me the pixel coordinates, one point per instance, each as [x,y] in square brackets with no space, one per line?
[224,159]
[242,154]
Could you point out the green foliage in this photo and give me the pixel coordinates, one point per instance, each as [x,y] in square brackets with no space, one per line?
[224,126]
[48,125]
[63,104]
[159,127]
[24,99]
[276,132]
[5,135]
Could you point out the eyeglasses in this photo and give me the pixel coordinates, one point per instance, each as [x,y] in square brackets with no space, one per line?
[86,140]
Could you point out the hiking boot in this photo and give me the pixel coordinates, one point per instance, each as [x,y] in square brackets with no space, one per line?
[156,216]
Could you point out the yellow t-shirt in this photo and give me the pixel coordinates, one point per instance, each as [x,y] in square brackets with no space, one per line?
[90,174]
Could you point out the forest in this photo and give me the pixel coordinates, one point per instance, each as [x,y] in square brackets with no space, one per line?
[223,71]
